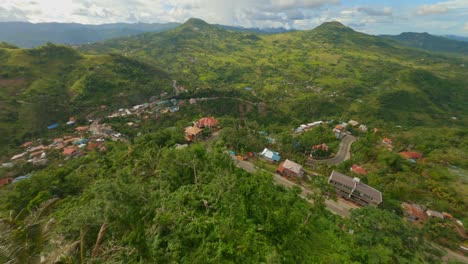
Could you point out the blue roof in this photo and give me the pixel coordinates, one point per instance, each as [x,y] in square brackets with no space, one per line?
[232,152]
[52,126]
[20,178]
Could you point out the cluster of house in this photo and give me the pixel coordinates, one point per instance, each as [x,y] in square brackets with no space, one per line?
[154,106]
[286,168]
[193,133]
[32,154]
[305,127]
[419,214]
[340,129]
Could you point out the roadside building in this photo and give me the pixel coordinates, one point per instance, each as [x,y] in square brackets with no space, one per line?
[290,168]
[270,155]
[354,190]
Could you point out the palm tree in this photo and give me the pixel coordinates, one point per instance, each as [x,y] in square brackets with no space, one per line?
[23,240]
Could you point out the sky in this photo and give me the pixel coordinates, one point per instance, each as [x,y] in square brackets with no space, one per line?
[373,17]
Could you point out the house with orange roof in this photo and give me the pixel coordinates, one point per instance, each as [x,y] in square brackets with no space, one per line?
[411,155]
[192,133]
[358,169]
[208,122]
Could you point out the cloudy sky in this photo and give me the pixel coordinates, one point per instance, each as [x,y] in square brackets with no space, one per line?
[374,17]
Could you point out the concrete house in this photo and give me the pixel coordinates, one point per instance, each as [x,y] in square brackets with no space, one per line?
[290,169]
[354,190]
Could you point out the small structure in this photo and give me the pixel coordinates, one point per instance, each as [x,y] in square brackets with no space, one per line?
[353,123]
[270,155]
[18,156]
[414,212]
[363,128]
[353,189]
[411,155]
[82,128]
[358,169]
[26,144]
[192,101]
[5,181]
[435,214]
[338,130]
[322,147]
[387,141]
[208,122]
[290,168]
[69,151]
[53,126]
[181,146]
[37,148]
[192,133]
[20,178]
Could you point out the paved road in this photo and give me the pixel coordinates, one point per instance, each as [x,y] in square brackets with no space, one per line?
[340,207]
[344,153]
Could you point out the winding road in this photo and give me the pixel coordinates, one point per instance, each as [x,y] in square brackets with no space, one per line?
[344,153]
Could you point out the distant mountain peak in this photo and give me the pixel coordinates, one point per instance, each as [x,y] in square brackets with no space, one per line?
[333,24]
[195,22]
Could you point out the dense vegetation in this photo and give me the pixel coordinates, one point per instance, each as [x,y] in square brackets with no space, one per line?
[143,201]
[146,203]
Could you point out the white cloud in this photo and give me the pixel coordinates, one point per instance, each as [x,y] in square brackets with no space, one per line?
[432,9]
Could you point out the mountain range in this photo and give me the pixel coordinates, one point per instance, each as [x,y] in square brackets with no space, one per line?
[28,35]
[426,41]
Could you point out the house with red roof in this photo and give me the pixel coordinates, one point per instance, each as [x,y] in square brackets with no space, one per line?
[69,151]
[358,169]
[322,147]
[5,181]
[414,212]
[208,122]
[387,141]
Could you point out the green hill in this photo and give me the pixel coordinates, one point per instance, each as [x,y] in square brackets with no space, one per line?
[355,73]
[430,42]
[49,84]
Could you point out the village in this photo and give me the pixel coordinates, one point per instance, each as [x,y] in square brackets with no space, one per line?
[350,191]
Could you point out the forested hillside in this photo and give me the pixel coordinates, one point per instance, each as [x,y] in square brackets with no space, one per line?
[42,86]
[331,69]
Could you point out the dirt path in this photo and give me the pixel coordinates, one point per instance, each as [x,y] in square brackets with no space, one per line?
[344,153]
